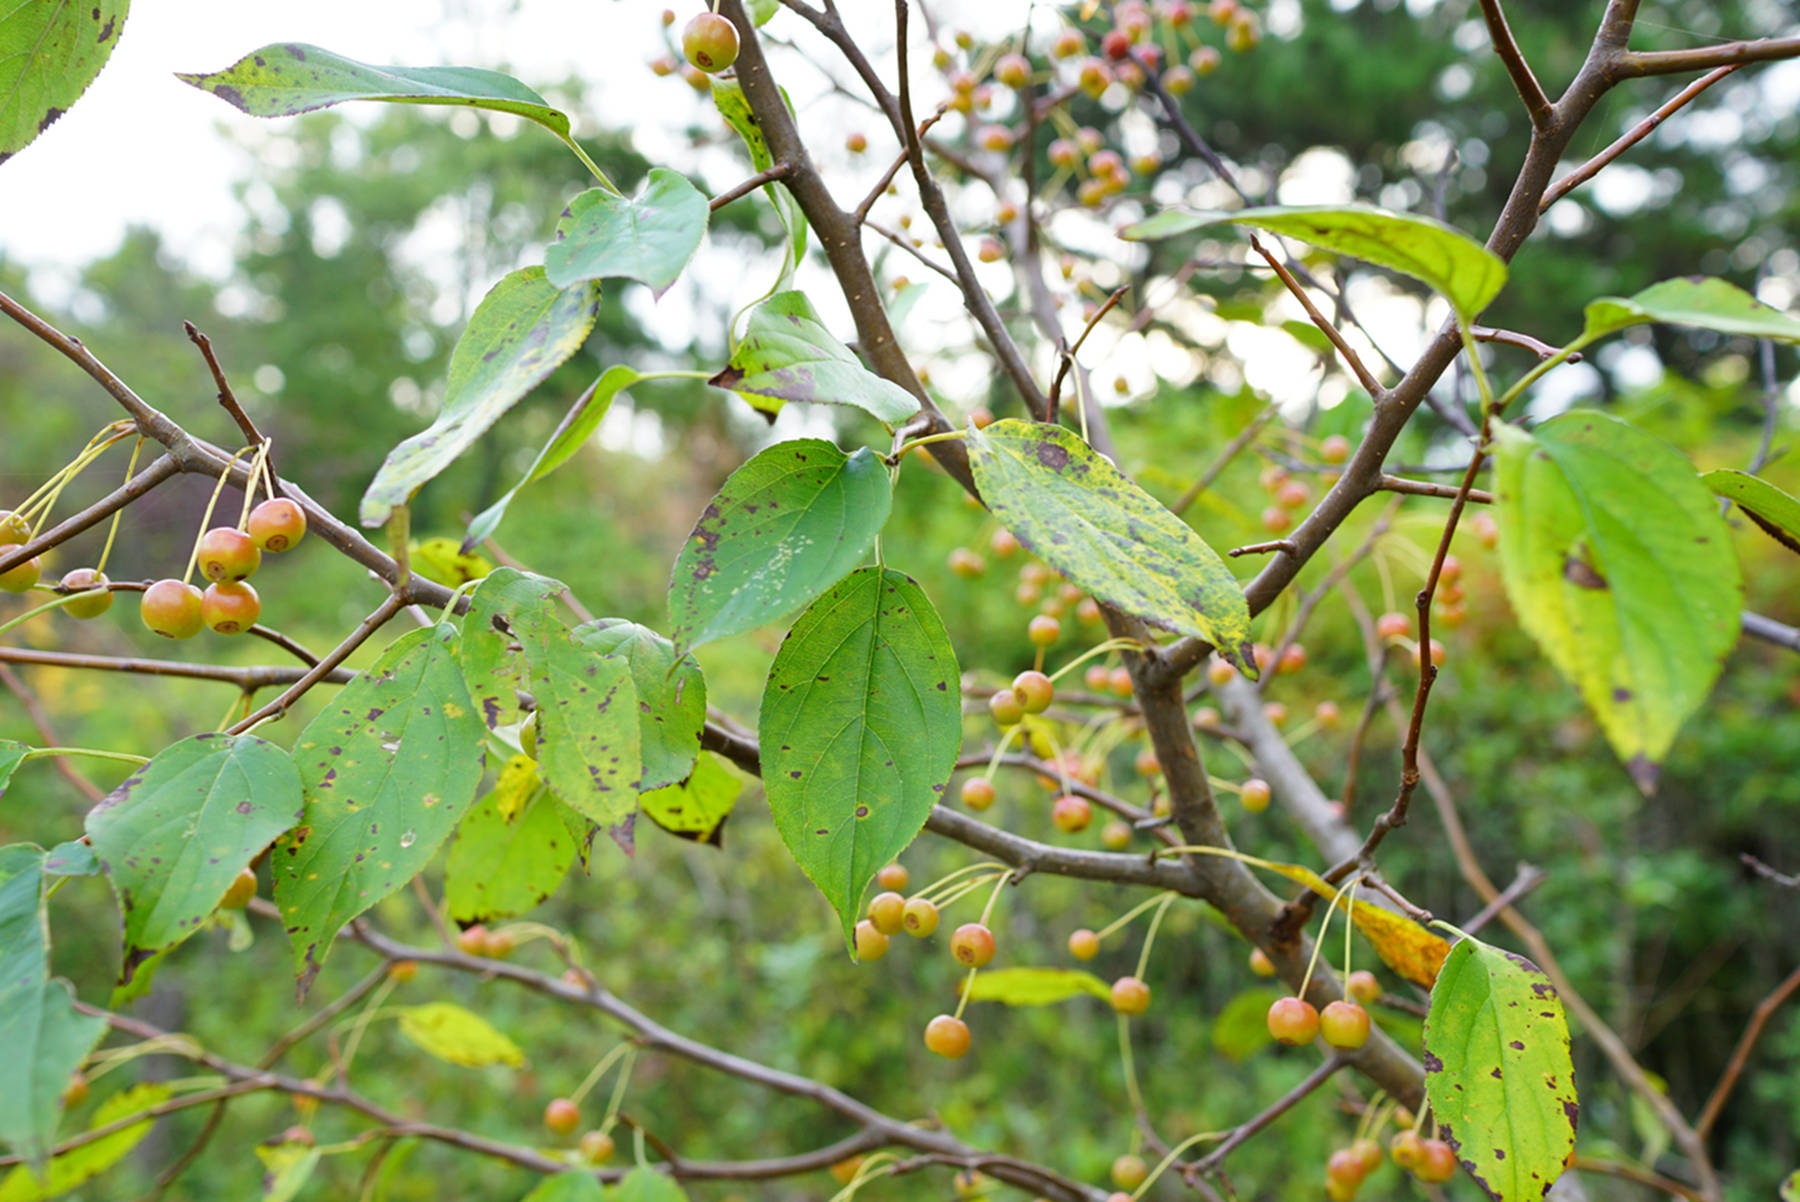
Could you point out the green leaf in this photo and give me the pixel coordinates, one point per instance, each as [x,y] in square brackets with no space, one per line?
[1790,1187]
[73,858]
[787,354]
[578,425]
[1086,519]
[861,725]
[1462,270]
[648,237]
[45,1038]
[1775,511]
[1619,565]
[457,1036]
[644,1184]
[1035,986]
[761,10]
[1242,1027]
[786,526]
[571,1186]
[589,736]
[500,868]
[80,1165]
[1700,301]
[50,51]
[698,807]
[286,78]
[287,1168]
[1497,1070]
[671,695]
[734,106]
[493,661]
[388,770]
[11,756]
[174,836]
[524,329]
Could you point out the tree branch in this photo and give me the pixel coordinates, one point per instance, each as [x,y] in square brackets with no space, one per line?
[1704,58]
[1630,138]
[1537,105]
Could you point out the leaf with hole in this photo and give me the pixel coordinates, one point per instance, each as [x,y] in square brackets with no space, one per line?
[1618,563]
[698,807]
[174,836]
[387,769]
[861,725]
[1775,511]
[787,354]
[456,1035]
[671,696]
[500,867]
[648,237]
[1036,986]
[1072,508]
[785,527]
[1699,301]
[524,329]
[50,51]
[1498,1073]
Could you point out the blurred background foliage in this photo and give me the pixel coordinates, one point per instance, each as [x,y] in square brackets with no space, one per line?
[365,244]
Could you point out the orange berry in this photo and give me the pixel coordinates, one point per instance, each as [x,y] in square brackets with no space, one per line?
[919,918]
[887,911]
[1344,1025]
[1293,1021]
[562,1116]
[977,793]
[947,1036]
[1130,996]
[972,944]
[1071,814]
[871,944]
[1362,985]
[1260,964]
[1084,944]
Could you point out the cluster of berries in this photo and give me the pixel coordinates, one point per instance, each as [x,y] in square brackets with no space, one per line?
[227,557]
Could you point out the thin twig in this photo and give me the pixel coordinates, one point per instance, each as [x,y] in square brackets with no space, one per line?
[779,171]
[1364,376]
[1537,346]
[1537,105]
[227,399]
[1066,358]
[1631,137]
[1704,58]
[1425,488]
[1785,880]
[246,679]
[1212,1160]
[390,606]
[1529,878]
[1740,1055]
[1265,548]
[41,722]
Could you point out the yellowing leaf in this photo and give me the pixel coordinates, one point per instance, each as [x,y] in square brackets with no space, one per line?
[80,1165]
[1403,945]
[1035,986]
[518,781]
[458,1036]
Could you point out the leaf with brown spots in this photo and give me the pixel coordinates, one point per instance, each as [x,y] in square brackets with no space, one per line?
[1619,564]
[1089,521]
[861,725]
[697,807]
[787,354]
[50,51]
[589,741]
[174,836]
[1403,945]
[671,696]
[388,770]
[734,107]
[492,657]
[648,237]
[1498,1073]
[500,867]
[1777,512]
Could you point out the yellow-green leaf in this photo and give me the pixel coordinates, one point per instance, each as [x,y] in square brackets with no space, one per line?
[1403,945]
[1700,301]
[698,807]
[1777,512]
[1035,986]
[787,354]
[287,1167]
[80,1165]
[501,867]
[458,1036]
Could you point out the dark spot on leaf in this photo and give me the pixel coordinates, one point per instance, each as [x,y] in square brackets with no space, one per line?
[1581,574]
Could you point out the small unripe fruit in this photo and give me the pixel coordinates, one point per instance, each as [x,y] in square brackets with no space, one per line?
[227,553]
[1293,1021]
[965,563]
[473,940]
[856,143]
[240,891]
[1362,985]
[1128,1171]
[1344,1025]
[1084,944]
[1147,764]
[1276,713]
[997,138]
[1255,794]
[1244,34]
[1097,678]
[276,525]
[1207,718]
[1437,1162]
[1291,495]
[972,944]
[298,1134]
[895,877]
[1260,964]
[14,528]
[1204,61]
[919,918]
[1327,714]
[1116,835]
[1088,610]
[1006,708]
[1407,1149]
[1334,448]
[1344,1168]
[1043,630]
[1130,996]
[1275,519]
[947,1036]
[1068,44]
[20,577]
[1034,691]
[1002,542]
[1179,80]
[1486,529]
[1120,680]
[402,971]
[1071,814]
[172,609]
[710,42]
[562,1116]
[1219,673]
[1438,655]
[596,1147]
[82,580]
[1452,570]
[1013,70]
[1292,660]
[1368,1154]
[500,944]
[871,944]
[888,912]
[77,1091]
[1452,616]
[664,66]
[978,793]
[1393,625]
[230,607]
[1264,655]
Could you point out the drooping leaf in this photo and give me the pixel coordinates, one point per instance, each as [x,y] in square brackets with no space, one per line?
[1462,270]
[11,756]
[648,237]
[861,725]
[287,78]
[697,808]
[1777,512]
[443,561]
[457,1036]
[1242,1026]
[50,51]
[80,1165]
[387,770]
[1619,565]
[524,328]
[786,526]
[578,425]
[500,868]
[287,1167]
[671,696]
[734,106]
[787,354]
[1497,1071]
[177,832]
[1411,950]
[645,1184]
[1700,301]
[1086,519]
[571,1186]
[1035,986]
[44,1037]
[493,658]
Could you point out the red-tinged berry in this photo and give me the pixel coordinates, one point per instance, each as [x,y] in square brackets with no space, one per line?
[895,877]
[171,608]
[1293,658]
[1093,77]
[1452,570]
[1293,1021]
[227,553]
[1068,44]
[1003,543]
[240,891]
[20,577]
[1344,1025]
[1368,1154]
[1088,610]
[1147,764]
[1034,691]
[596,1147]
[1264,657]
[1013,70]
[1344,1167]
[1438,655]
[1334,448]
[710,43]
[1244,33]
[856,143]
[948,1036]
[1097,678]
[972,944]
[1084,944]
[1407,1149]
[1179,80]
[1129,1171]
[978,793]
[1437,1162]
[298,1134]
[562,1116]
[1205,60]
[919,918]
[500,944]
[1120,682]
[1071,814]
[871,944]
[402,971]
[1006,708]
[473,940]
[1452,616]
[1207,718]
[1116,44]
[1276,713]
[1362,985]
[1291,495]
[83,580]
[1130,996]
[1486,529]
[1255,794]
[1116,835]
[887,911]
[1338,1191]
[1327,714]
[1043,630]
[230,607]
[276,525]
[966,563]
[1260,964]
[1393,625]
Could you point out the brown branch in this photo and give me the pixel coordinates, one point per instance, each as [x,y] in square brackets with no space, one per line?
[1785,880]
[1537,105]
[906,245]
[1740,1055]
[227,399]
[1425,488]
[1630,138]
[1528,878]
[161,468]
[249,679]
[1212,1160]
[1705,58]
[1631,1172]
[1264,548]
[1537,346]
[1364,376]
[779,171]
[337,655]
[1066,358]
[1243,438]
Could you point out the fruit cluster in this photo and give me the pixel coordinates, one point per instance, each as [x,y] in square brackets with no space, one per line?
[227,556]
